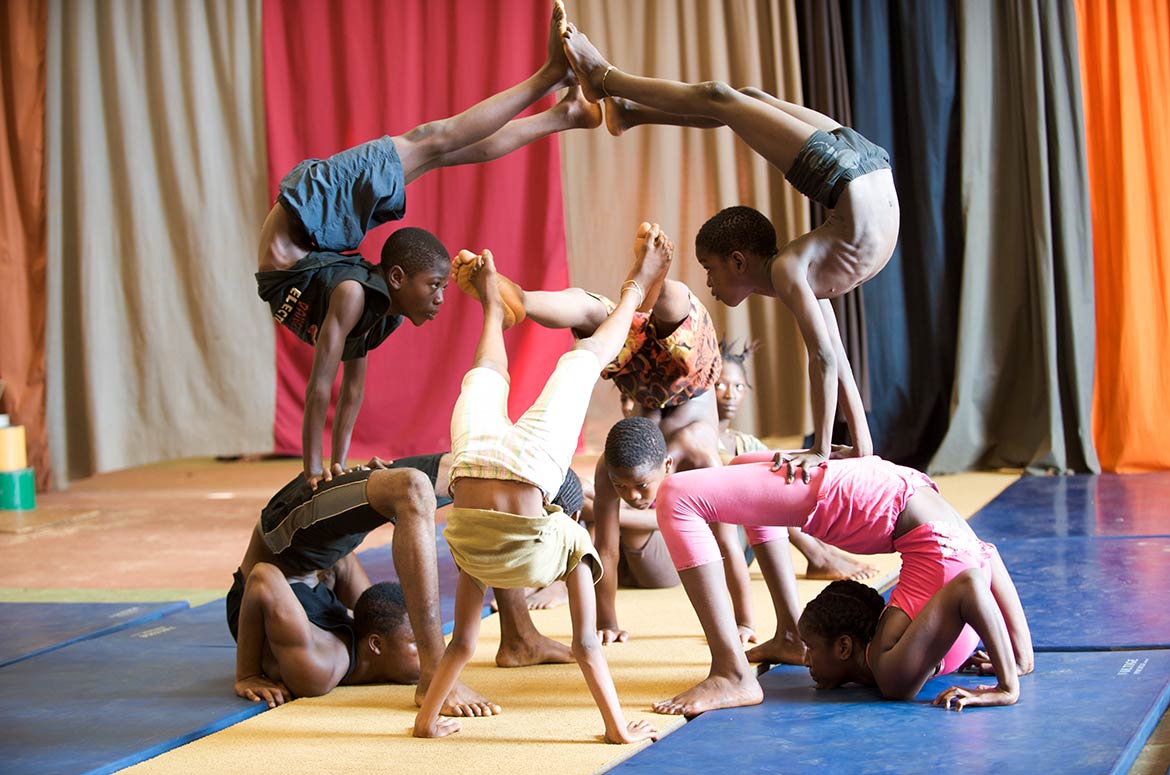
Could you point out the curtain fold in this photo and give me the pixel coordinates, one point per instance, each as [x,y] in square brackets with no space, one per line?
[1024,371]
[23,36]
[157,346]
[1125,75]
[903,92]
[680,177]
[338,74]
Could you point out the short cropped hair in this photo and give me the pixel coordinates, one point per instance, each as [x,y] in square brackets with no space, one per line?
[381,610]
[635,444]
[843,608]
[415,250]
[737,228]
[570,497]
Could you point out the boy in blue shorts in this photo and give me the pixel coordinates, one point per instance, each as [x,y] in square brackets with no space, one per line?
[345,306]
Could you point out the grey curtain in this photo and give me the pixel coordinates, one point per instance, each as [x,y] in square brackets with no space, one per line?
[1024,373]
[157,345]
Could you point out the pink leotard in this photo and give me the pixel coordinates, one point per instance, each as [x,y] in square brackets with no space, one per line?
[851,504]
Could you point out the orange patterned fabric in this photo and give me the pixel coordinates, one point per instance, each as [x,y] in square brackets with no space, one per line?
[659,373]
[1125,77]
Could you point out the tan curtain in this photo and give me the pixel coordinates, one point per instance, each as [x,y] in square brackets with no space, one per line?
[157,345]
[22,224]
[681,177]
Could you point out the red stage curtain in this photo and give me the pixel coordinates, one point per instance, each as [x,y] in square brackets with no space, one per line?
[340,73]
[1125,72]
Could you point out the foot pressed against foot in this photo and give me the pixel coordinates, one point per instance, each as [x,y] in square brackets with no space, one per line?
[617,115]
[580,113]
[653,252]
[777,651]
[713,693]
[461,701]
[537,650]
[557,63]
[587,62]
[465,269]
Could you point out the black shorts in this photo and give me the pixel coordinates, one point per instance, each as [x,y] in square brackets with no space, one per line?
[322,608]
[829,161]
[337,200]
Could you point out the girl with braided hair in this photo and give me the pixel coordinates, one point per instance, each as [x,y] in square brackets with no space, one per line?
[952,592]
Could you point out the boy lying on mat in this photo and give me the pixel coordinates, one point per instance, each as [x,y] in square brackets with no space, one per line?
[502,532]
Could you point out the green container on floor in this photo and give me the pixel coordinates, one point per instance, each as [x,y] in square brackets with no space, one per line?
[18,490]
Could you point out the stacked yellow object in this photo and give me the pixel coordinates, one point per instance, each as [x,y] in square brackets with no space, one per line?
[17,490]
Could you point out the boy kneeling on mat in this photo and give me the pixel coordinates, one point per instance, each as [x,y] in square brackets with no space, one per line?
[502,532]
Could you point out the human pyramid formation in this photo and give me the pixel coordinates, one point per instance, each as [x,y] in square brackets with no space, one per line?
[514,525]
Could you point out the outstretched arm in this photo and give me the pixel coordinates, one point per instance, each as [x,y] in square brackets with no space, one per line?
[353,385]
[345,308]
[591,659]
[468,614]
[850,396]
[607,539]
[795,292]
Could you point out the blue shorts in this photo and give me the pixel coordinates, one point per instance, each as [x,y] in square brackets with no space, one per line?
[337,200]
[829,161]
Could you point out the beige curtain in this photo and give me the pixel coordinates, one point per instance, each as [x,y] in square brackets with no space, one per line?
[681,177]
[157,345]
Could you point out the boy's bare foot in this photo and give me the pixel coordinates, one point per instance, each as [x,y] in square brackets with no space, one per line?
[653,252]
[587,62]
[713,693]
[617,115]
[834,566]
[466,271]
[461,701]
[537,650]
[555,594]
[557,64]
[580,113]
[777,651]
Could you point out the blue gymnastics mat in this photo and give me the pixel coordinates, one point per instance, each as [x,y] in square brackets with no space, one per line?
[1092,593]
[379,565]
[28,629]
[1109,505]
[99,705]
[1078,713]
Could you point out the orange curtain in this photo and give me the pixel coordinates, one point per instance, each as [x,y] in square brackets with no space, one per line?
[23,35]
[1125,72]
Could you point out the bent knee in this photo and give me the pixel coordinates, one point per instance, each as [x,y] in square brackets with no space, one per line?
[265,573]
[716,92]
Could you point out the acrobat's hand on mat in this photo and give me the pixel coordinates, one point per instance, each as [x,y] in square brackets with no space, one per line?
[440,727]
[634,731]
[791,462]
[978,663]
[957,697]
[259,687]
[747,635]
[463,270]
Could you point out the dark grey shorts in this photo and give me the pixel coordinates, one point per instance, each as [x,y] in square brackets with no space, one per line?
[337,200]
[829,161]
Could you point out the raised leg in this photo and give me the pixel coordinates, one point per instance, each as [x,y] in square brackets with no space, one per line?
[421,146]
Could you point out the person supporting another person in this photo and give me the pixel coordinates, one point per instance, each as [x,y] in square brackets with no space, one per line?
[501,531]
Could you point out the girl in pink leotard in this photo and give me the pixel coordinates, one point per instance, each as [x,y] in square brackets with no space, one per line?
[954,589]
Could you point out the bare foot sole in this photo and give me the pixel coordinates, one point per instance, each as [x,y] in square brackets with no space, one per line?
[836,566]
[558,27]
[617,115]
[777,651]
[463,269]
[555,594]
[462,702]
[534,651]
[580,113]
[587,62]
[711,694]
